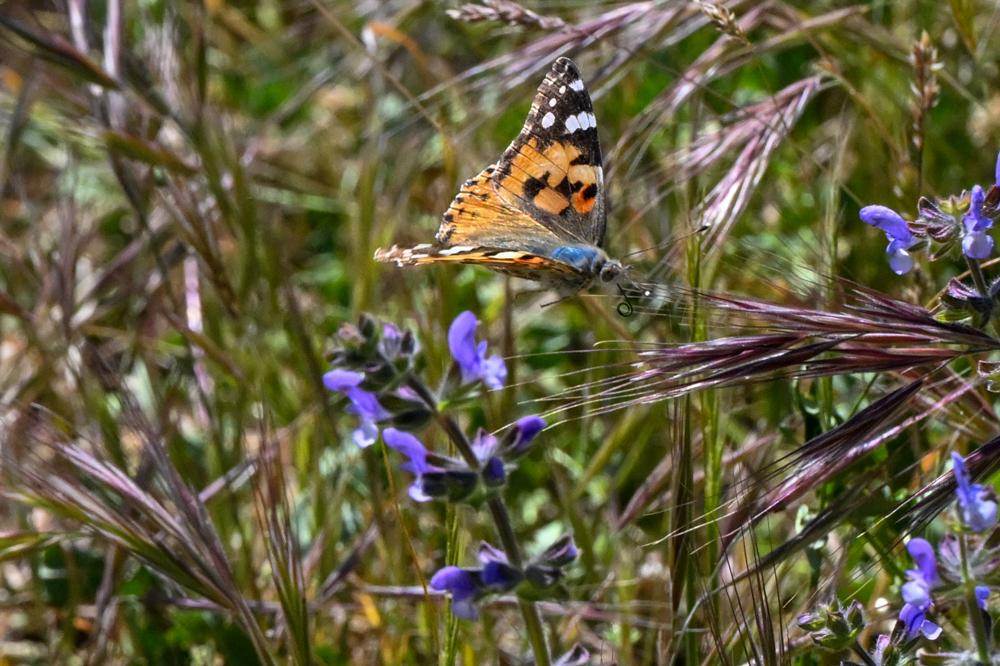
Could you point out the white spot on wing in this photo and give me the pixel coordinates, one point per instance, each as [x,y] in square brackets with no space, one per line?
[553,101]
[584,120]
[562,90]
[577,85]
[593,120]
[458,249]
[572,124]
[508,255]
[421,246]
[548,119]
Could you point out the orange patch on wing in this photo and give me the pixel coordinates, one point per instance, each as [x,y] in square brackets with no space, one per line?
[550,201]
[583,204]
[552,163]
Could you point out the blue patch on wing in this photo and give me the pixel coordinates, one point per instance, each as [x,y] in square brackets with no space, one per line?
[580,257]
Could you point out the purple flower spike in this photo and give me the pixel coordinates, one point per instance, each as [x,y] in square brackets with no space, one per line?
[471,357]
[363,404]
[901,239]
[996,174]
[463,585]
[977,505]
[917,591]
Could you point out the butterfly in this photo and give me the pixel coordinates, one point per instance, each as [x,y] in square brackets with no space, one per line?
[539,213]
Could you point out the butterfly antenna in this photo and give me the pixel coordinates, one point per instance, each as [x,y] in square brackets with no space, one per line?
[670,242]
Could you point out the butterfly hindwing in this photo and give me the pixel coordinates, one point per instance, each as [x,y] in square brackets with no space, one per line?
[512,262]
[552,170]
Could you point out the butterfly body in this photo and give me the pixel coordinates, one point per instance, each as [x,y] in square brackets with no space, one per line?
[539,213]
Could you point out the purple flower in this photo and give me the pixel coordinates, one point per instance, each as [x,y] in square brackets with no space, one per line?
[560,553]
[411,447]
[463,585]
[977,505]
[977,244]
[996,173]
[917,591]
[471,357]
[982,594]
[485,447]
[901,239]
[497,571]
[363,404]
[518,442]
[467,586]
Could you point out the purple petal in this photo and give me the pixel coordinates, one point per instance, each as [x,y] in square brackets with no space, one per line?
[461,583]
[917,593]
[500,575]
[341,380]
[494,471]
[900,261]
[977,245]
[365,434]
[494,372]
[528,428]
[996,174]
[462,343]
[930,630]
[365,404]
[982,594]
[490,553]
[977,508]
[484,445]
[888,221]
[465,609]
[976,201]
[923,554]
[410,447]
[416,491]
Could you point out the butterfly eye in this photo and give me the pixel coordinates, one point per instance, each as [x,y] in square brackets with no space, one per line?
[610,271]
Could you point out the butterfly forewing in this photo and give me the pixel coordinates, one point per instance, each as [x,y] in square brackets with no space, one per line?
[478,217]
[553,169]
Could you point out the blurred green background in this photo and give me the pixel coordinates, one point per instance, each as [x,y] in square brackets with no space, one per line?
[190,196]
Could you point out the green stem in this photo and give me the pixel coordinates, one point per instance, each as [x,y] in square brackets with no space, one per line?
[972,604]
[501,519]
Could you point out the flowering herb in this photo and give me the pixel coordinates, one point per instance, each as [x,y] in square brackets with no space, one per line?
[468,586]
[966,219]
[917,591]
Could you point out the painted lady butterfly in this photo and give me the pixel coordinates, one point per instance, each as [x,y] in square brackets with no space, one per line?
[539,212]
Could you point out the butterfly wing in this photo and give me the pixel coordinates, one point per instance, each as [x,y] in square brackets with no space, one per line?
[479,217]
[518,263]
[546,192]
[552,171]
